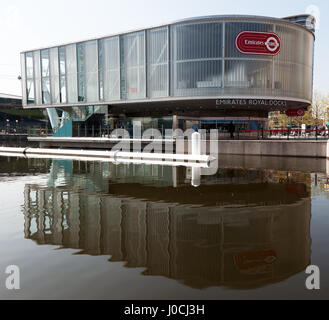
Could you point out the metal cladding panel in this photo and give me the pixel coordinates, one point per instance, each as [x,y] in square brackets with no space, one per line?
[233,29]
[250,77]
[197,59]
[185,60]
[293,67]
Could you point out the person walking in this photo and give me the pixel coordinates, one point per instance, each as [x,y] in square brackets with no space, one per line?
[231,130]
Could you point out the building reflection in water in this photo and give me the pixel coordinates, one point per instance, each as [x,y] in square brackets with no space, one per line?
[240,228]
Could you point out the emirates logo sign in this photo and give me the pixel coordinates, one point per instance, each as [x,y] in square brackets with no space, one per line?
[264,43]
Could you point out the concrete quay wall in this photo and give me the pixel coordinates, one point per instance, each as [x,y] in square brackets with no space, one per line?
[293,148]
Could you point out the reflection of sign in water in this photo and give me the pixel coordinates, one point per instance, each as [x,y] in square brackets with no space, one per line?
[255,262]
[264,43]
[295,188]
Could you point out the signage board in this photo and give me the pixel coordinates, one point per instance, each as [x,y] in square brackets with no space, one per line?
[263,43]
[251,102]
[295,113]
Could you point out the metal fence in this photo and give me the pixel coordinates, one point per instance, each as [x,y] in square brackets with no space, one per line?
[274,134]
[300,134]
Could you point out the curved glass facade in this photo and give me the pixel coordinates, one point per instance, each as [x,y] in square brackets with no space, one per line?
[182,61]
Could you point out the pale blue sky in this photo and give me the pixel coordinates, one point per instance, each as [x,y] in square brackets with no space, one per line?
[37,23]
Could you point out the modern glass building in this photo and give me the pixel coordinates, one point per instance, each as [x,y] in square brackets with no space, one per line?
[207,70]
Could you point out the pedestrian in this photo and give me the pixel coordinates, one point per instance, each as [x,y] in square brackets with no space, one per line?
[231,130]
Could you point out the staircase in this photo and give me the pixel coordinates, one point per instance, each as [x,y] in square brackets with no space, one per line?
[81,116]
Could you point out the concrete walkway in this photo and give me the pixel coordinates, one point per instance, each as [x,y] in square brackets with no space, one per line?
[280,148]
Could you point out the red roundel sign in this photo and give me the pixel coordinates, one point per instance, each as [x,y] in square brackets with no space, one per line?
[265,43]
[295,113]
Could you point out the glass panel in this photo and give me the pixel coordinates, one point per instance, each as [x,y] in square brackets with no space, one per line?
[37,77]
[29,65]
[46,91]
[23,75]
[91,69]
[45,63]
[71,73]
[134,65]
[100,45]
[157,57]
[30,90]
[62,71]
[111,68]
[54,72]
[45,68]
[63,97]
[62,64]
[123,91]
[81,71]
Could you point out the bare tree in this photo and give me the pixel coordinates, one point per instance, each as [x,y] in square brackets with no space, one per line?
[320,107]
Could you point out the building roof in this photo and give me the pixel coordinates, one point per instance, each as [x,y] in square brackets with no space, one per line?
[9,100]
[10,96]
[186,20]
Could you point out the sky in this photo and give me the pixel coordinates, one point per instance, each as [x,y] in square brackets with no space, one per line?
[26,25]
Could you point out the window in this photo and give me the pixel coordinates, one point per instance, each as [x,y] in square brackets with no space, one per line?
[45,73]
[30,91]
[157,57]
[109,69]
[62,74]
[133,65]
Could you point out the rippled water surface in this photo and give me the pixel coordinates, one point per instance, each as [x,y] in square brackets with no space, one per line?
[93,230]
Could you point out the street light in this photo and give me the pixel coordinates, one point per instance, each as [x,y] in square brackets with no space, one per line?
[8,126]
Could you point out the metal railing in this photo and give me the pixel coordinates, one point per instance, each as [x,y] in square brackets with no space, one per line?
[13,130]
[284,134]
[24,130]
[99,131]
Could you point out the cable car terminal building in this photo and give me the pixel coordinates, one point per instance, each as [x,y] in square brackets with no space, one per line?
[207,71]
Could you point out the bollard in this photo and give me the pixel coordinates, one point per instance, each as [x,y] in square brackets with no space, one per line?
[196,177]
[196,144]
[196,151]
